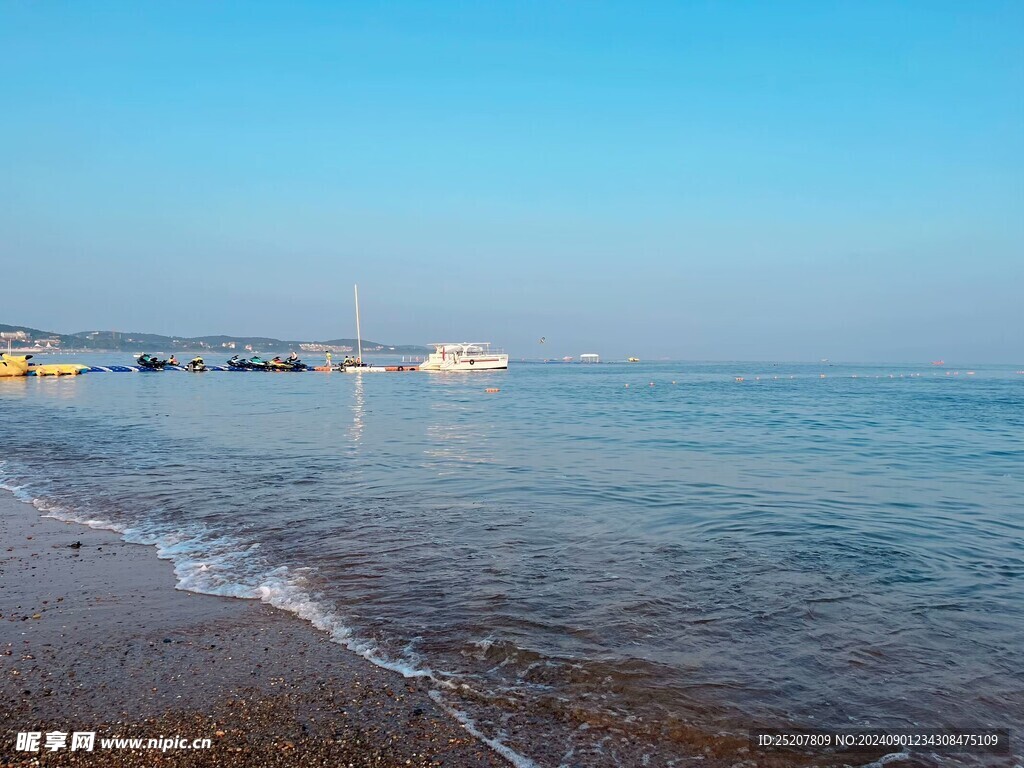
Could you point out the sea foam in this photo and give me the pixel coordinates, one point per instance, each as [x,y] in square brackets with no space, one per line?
[206,563]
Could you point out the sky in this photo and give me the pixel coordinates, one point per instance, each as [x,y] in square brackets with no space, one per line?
[689,180]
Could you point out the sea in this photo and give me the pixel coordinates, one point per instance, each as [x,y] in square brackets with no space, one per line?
[610,564]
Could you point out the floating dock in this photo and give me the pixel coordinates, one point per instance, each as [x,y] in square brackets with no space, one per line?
[321,369]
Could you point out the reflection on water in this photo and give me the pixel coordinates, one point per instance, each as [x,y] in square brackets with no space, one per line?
[588,558]
[358,410]
[14,387]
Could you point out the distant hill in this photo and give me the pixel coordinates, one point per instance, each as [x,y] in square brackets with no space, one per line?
[136,341]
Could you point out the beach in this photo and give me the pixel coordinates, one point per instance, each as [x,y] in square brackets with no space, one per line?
[93,638]
[544,385]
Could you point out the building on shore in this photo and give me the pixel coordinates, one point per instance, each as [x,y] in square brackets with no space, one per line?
[314,347]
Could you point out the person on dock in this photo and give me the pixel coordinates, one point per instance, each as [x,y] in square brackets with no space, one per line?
[327,357]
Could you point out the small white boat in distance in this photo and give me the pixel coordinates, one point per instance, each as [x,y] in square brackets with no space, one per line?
[464,356]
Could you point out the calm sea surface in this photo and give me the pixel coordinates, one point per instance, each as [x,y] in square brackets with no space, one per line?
[574,563]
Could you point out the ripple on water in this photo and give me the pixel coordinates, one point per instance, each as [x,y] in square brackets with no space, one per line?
[579,554]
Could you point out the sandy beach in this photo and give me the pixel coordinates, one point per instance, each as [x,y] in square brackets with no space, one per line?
[94,639]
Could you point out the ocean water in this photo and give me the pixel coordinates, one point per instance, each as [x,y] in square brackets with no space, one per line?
[598,562]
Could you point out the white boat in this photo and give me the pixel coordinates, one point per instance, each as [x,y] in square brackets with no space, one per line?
[368,368]
[464,356]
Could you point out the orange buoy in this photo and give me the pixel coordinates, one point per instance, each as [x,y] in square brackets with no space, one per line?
[492,390]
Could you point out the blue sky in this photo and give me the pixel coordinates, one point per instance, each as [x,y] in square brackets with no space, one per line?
[693,180]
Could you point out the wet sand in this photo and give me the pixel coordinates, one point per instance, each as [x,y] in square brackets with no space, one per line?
[93,638]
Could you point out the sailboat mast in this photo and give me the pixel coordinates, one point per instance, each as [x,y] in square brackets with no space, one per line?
[359,337]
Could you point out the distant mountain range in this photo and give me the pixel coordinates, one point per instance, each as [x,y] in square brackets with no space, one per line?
[22,336]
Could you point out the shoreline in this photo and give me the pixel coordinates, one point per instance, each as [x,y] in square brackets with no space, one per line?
[95,638]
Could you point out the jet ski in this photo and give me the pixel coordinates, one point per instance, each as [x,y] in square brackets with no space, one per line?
[255,364]
[291,364]
[195,365]
[151,363]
